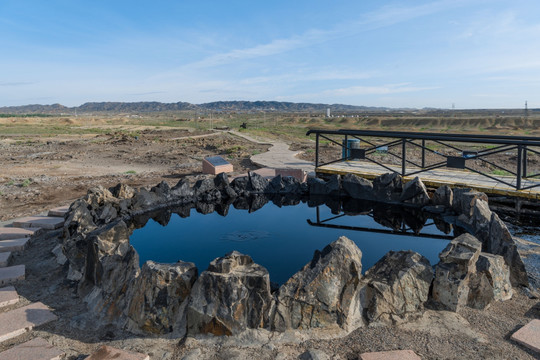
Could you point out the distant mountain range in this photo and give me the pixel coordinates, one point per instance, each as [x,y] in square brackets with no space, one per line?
[232,106]
[152,106]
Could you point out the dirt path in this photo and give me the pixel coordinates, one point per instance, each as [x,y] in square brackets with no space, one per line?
[278,156]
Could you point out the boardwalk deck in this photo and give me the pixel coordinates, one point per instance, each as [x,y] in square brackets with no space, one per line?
[436,178]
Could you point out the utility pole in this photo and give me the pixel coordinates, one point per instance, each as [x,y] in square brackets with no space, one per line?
[526,109]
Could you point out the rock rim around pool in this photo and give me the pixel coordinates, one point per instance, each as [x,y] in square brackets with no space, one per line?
[235,294]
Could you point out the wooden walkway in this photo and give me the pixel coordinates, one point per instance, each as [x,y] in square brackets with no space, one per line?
[438,177]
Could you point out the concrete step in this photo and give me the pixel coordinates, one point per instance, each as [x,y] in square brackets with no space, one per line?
[8,233]
[35,349]
[8,296]
[109,353]
[19,321]
[43,222]
[4,258]
[13,245]
[11,274]
[390,355]
[58,211]
[529,335]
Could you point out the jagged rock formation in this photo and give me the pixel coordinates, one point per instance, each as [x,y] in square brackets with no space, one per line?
[235,294]
[324,292]
[231,295]
[397,286]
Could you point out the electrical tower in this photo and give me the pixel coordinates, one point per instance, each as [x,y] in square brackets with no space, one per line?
[526,109]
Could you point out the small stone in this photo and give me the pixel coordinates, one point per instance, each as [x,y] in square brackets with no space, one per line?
[388,186]
[61,259]
[314,354]
[192,355]
[443,196]
[357,187]
[415,192]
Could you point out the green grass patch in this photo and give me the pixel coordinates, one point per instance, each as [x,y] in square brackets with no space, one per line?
[500,172]
[130,172]
[26,183]
[234,149]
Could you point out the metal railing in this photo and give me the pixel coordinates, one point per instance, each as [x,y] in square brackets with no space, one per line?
[490,145]
[404,230]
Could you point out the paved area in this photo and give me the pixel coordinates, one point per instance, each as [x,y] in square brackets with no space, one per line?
[35,349]
[110,353]
[19,321]
[529,335]
[436,178]
[390,355]
[278,156]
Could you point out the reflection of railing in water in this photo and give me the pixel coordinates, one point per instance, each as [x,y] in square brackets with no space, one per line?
[497,144]
[405,231]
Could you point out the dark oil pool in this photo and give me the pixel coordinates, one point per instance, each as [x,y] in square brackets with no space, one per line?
[280,239]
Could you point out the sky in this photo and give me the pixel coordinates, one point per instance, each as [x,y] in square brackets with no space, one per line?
[462,53]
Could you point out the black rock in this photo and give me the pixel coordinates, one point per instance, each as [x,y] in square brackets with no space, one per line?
[357,187]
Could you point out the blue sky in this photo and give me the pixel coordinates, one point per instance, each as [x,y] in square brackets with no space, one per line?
[471,53]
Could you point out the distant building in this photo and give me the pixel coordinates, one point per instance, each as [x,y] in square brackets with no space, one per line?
[328,112]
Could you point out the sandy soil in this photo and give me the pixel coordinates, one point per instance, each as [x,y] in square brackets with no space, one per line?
[39,172]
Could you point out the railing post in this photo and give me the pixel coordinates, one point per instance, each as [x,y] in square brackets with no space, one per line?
[316,151]
[519,163]
[423,153]
[345,150]
[403,156]
[524,161]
